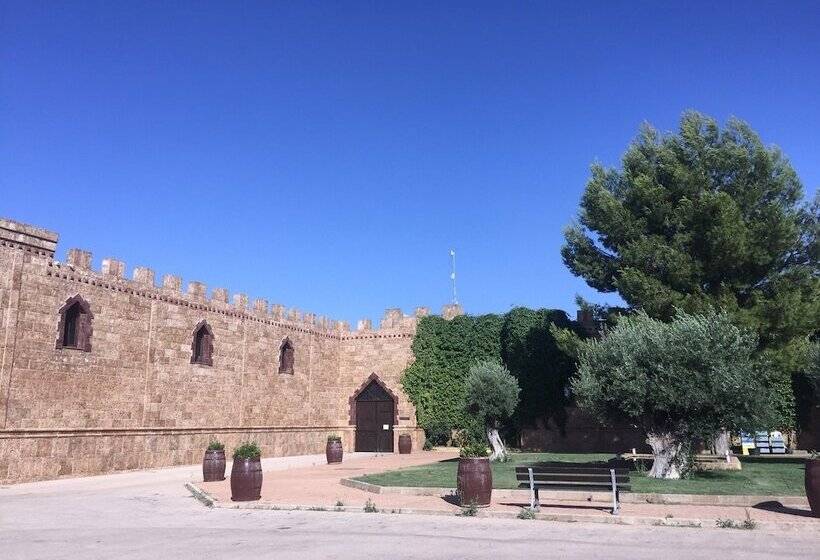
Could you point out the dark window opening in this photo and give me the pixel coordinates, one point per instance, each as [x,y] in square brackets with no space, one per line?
[72,317]
[202,347]
[74,331]
[286,356]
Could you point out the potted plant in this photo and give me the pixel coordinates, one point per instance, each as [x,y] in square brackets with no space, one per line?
[246,473]
[213,464]
[405,444]
[813,482]
[333,449]
[474,480]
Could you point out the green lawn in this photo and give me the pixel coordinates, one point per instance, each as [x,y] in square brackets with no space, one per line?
[782,476]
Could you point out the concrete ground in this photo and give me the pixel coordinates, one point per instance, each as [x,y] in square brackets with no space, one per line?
[149,515]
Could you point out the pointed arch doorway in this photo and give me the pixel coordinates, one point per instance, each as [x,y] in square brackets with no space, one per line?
[375,415]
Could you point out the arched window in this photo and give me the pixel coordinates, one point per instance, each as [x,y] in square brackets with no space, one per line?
[202,347]
[74,329]
[286,357]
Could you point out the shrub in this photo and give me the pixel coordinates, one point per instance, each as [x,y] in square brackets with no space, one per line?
[333,438]
[247,450]
[437,433]
[215,445]
[526,513]
[470,510]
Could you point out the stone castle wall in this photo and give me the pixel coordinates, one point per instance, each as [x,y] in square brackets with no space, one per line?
[135,400]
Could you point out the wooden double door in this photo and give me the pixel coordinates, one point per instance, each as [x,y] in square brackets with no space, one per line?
[375,415]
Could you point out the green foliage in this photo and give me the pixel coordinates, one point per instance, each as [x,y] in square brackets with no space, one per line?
[492,393]
[470,510]
[747,524]
[534,355]
[247,450]
[334,438]
[704,218]
[473,448]
[521,339]
[437,433]
[370,506]
[689,378]
[806,379]
[215,445]
[444,351]
[813,364]
[526,513]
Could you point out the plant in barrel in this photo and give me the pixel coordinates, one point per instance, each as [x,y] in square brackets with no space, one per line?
[246,474]
[213,463]
[491,398]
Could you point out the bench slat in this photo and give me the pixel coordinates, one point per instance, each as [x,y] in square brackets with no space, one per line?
[569,478]
[579,487]
[570,470]
[569,482]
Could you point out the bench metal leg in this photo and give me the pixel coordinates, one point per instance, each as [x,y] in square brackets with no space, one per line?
[615,501]
[535,504]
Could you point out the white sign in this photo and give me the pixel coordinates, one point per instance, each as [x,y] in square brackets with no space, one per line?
[385,427]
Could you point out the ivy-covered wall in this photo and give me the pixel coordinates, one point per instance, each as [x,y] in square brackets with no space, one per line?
[521,339]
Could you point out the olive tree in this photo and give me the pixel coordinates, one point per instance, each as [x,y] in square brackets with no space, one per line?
[679,381]
[491,398]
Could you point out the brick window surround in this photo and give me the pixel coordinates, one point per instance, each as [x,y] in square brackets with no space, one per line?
[75,327]
[202,345]
[286,357]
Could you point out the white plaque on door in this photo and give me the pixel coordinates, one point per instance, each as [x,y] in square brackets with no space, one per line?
[385,427]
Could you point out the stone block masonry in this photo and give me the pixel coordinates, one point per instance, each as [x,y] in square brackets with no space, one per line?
[135,396]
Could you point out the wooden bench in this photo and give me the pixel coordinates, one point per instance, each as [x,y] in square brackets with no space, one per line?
[582,477]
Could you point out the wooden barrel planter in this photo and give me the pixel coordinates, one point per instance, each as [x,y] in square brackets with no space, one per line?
[246,480]
[813,485]
[334,451]
[213,465]
[405,444]
[474,481]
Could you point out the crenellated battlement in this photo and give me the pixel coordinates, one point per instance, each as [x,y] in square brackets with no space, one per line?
[112,274]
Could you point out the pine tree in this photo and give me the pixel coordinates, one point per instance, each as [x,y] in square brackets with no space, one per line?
[706,218]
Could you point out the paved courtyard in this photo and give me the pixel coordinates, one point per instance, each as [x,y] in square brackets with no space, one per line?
[149,514]
[319,486]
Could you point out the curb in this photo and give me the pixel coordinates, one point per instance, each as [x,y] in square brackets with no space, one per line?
[200,495]
[208,500]
[558,496]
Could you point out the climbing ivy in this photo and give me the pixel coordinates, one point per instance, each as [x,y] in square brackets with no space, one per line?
[531,353]
[521,339]
[444,351]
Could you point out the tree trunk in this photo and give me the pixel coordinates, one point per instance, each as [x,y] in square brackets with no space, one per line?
[668,456]
[499,451]
[722,443]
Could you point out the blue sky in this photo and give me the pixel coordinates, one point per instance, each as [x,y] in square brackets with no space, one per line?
[328,155]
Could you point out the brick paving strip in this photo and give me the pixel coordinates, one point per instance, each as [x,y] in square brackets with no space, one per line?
[330,488]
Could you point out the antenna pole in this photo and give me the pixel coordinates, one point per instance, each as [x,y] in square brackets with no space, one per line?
[453,275]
